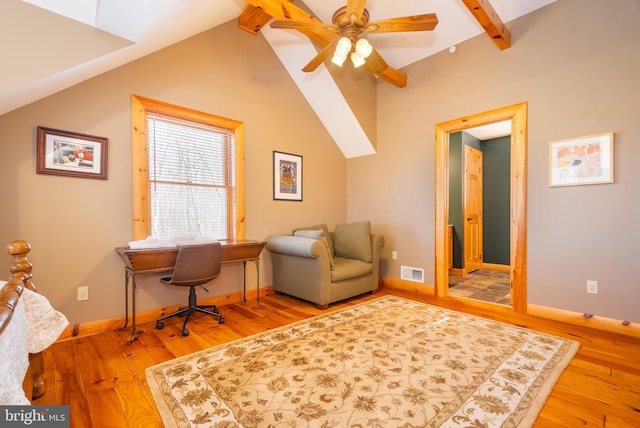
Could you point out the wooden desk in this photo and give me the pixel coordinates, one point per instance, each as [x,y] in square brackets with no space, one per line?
[141,262]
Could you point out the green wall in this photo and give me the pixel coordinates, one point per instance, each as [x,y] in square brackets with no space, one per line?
[496,195]
[456,155]
[496,154]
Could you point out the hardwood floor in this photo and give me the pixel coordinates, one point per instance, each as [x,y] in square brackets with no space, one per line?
[102,379]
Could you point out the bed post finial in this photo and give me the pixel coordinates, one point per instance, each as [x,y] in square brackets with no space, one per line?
[19,250]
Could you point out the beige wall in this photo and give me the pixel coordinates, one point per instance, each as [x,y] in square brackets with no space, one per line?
[576,63]
[74,224]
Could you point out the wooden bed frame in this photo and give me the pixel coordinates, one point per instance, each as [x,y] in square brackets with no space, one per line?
[20,278]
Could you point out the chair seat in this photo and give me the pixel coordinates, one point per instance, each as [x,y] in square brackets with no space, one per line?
[195,265]
[349,268]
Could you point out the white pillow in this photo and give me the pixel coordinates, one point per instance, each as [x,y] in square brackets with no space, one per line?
[313,234]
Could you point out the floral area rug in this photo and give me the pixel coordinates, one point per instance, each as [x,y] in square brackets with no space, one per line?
[389,362]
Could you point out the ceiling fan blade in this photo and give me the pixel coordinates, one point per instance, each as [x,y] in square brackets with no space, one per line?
[375,62]
[355,7]
[426,22]
[378,66]
[325,53]
[393,76]
[303,25]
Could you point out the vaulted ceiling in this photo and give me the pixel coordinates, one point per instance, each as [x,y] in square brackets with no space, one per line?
[49,45]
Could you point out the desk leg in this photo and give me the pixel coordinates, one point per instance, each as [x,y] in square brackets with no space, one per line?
[244,280]
[133,309]
[257,263]
[126,298]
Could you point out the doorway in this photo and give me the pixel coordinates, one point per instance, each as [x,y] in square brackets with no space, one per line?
[517,114]
[479,209]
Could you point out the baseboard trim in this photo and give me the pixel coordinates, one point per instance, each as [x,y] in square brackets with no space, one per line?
[456,271]
[576,318]
[496,267]
[102,326]
[609,325]
[404,285]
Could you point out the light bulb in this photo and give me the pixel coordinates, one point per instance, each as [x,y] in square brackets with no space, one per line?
[357,59]
[338,59]
[344,46]
[363,48]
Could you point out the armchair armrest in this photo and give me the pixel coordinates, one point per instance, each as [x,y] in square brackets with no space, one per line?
[296,246]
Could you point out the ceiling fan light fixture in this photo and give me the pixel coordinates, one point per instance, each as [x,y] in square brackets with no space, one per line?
[357,59]
[338,59]
[363,48]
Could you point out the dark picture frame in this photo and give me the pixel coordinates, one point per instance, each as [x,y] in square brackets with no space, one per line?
[71,154]
[287,177]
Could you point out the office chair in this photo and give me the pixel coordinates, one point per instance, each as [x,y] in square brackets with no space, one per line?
[195,265]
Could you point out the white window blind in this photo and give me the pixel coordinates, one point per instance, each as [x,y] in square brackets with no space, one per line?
[191,176]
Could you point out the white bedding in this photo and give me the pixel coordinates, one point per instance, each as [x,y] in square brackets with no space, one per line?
[35,325]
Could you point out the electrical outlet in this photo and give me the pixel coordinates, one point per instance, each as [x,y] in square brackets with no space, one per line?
[83,293]
[394,255]
[592,286]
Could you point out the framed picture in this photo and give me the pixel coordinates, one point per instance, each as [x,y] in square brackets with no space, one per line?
[582,160]
[287,176]
[71,154]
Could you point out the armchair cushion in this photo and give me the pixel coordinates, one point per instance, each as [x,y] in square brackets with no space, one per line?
[316,234]
[353,241]
[325,230]
[349,268]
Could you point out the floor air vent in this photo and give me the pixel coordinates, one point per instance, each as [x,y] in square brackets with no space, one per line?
[412,274]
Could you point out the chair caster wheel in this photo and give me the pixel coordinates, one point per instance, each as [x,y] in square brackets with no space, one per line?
[159,325]
[185,332]
[220,320]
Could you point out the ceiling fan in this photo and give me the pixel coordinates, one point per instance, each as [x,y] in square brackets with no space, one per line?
[345,37]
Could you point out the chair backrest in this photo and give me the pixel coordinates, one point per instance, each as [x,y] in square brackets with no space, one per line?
[196,264]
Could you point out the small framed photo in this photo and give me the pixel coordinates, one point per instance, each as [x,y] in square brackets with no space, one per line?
[71,154]
[287,177]
[582,160]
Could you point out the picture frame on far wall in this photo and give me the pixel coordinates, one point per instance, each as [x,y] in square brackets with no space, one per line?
[287,177]
[71,154]
[582,160]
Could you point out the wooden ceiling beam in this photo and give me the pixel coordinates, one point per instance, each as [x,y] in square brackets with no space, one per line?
[284,9]
[486,15]
[252,19]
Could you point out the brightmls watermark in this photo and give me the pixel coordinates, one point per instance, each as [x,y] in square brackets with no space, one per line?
[34,416]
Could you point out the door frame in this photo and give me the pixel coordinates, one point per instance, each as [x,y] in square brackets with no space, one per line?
[517,113]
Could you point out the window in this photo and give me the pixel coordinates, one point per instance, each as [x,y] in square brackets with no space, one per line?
[187,173]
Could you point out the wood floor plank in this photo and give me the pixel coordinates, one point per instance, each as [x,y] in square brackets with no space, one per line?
[130,384]
[103,380]
[69,386]
[568,413]
[100,383]
[607,389]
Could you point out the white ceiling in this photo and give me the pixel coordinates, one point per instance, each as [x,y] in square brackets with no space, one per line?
[492,130]
[121,31]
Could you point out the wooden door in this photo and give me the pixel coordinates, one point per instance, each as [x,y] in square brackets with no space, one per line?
[472,209]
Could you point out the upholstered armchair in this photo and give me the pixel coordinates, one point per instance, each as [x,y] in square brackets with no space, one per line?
[324,267]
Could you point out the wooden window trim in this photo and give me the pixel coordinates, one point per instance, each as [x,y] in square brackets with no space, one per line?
[140,186]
